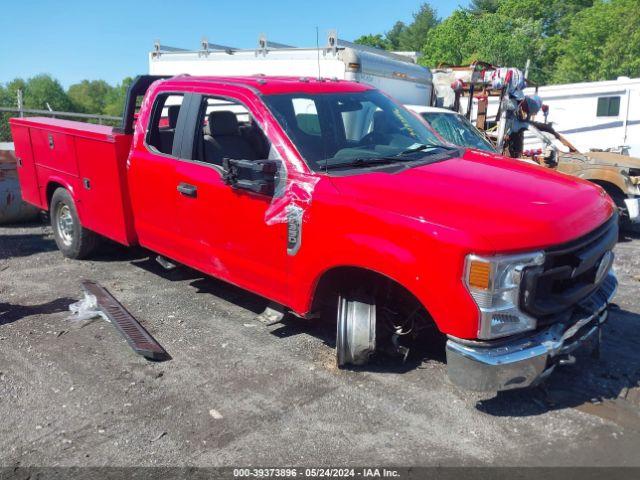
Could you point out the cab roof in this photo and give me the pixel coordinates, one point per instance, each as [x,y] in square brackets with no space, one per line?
[267,85]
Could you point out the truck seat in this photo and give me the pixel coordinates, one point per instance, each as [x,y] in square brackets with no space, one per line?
[167,133]
[222,139]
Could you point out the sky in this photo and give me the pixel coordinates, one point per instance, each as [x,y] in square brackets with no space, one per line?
[75,40]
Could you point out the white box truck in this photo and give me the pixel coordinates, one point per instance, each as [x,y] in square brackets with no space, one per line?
[395,73]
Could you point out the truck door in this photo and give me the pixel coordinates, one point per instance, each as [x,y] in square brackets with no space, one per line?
[152,176]
[224,228]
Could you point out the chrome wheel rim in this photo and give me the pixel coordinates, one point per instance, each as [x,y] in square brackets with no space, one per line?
[65,225]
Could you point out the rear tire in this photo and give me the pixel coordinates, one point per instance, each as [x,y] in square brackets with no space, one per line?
[73,240]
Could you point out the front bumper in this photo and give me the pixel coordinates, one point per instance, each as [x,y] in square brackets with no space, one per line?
[633,208]
[527,360]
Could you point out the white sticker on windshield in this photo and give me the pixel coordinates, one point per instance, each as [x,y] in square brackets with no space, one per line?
[415,146]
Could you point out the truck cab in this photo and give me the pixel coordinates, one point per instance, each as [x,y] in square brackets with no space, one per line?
[331,199]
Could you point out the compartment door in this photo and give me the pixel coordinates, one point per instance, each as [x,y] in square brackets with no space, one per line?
[26,166]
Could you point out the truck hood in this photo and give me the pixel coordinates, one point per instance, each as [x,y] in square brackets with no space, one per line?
[504,204]
[613,159]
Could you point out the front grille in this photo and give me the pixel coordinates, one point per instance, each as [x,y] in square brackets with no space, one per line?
[568,275]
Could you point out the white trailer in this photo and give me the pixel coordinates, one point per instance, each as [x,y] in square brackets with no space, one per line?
[395,73]
[596,115]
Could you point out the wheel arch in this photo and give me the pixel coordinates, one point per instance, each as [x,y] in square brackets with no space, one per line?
[333,279]
[52,185]
[607,185]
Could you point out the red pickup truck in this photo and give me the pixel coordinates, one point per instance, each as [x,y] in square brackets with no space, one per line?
[328,196]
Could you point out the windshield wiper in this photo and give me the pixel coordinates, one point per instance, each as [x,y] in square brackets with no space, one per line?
[425,146]
[361,162]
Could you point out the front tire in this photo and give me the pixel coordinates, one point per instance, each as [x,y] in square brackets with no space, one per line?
[73,240]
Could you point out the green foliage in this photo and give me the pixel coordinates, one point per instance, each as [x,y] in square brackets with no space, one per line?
[89,95]
[42,91]
[114,100]
[447,43]
[404,37]
[414,36]
[393,35]
[553,15]
[465,37]
[565,40]
[603,43]
[483,6]
[377,41]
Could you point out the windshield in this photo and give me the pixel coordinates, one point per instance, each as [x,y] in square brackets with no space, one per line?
[458,130]
[352,129]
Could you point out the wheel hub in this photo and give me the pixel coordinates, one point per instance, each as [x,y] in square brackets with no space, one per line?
[65,225]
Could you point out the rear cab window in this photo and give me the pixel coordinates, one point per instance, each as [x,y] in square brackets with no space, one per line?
[161,131]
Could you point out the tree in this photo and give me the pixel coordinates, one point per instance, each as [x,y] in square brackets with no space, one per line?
[414,36]
[495,38]
[11,91]
[447,43]
[89,96]
[504,41]
[603,42]
[114,101]
[483,6]
[404,37]
[393,35]
[43,91]
[377,41]
[554,15]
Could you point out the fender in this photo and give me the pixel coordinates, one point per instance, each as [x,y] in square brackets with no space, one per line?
[64,183]
[599,174]
[420,274]
[374,254]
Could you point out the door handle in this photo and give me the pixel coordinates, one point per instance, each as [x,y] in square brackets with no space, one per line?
[188,190]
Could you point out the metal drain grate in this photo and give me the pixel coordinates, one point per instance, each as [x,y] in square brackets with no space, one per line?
[135,334]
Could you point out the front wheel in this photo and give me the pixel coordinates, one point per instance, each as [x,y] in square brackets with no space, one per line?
[73,240]
[356,329]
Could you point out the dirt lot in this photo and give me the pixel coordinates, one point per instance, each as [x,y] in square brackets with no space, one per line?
[239,393]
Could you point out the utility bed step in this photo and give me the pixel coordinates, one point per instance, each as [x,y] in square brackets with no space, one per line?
[135,334]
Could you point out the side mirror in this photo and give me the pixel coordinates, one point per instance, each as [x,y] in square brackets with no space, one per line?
[258,176]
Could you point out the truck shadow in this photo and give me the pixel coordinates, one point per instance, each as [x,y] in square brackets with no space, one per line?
[587,384]
[429,347]
[588,381]
[10,313]
[149,264]
[13,246]
[230,293]
[110,251]
[203,284]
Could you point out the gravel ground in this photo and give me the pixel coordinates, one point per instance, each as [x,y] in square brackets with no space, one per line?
[239,393]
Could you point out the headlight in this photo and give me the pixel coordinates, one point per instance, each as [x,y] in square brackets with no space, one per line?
[494,284]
